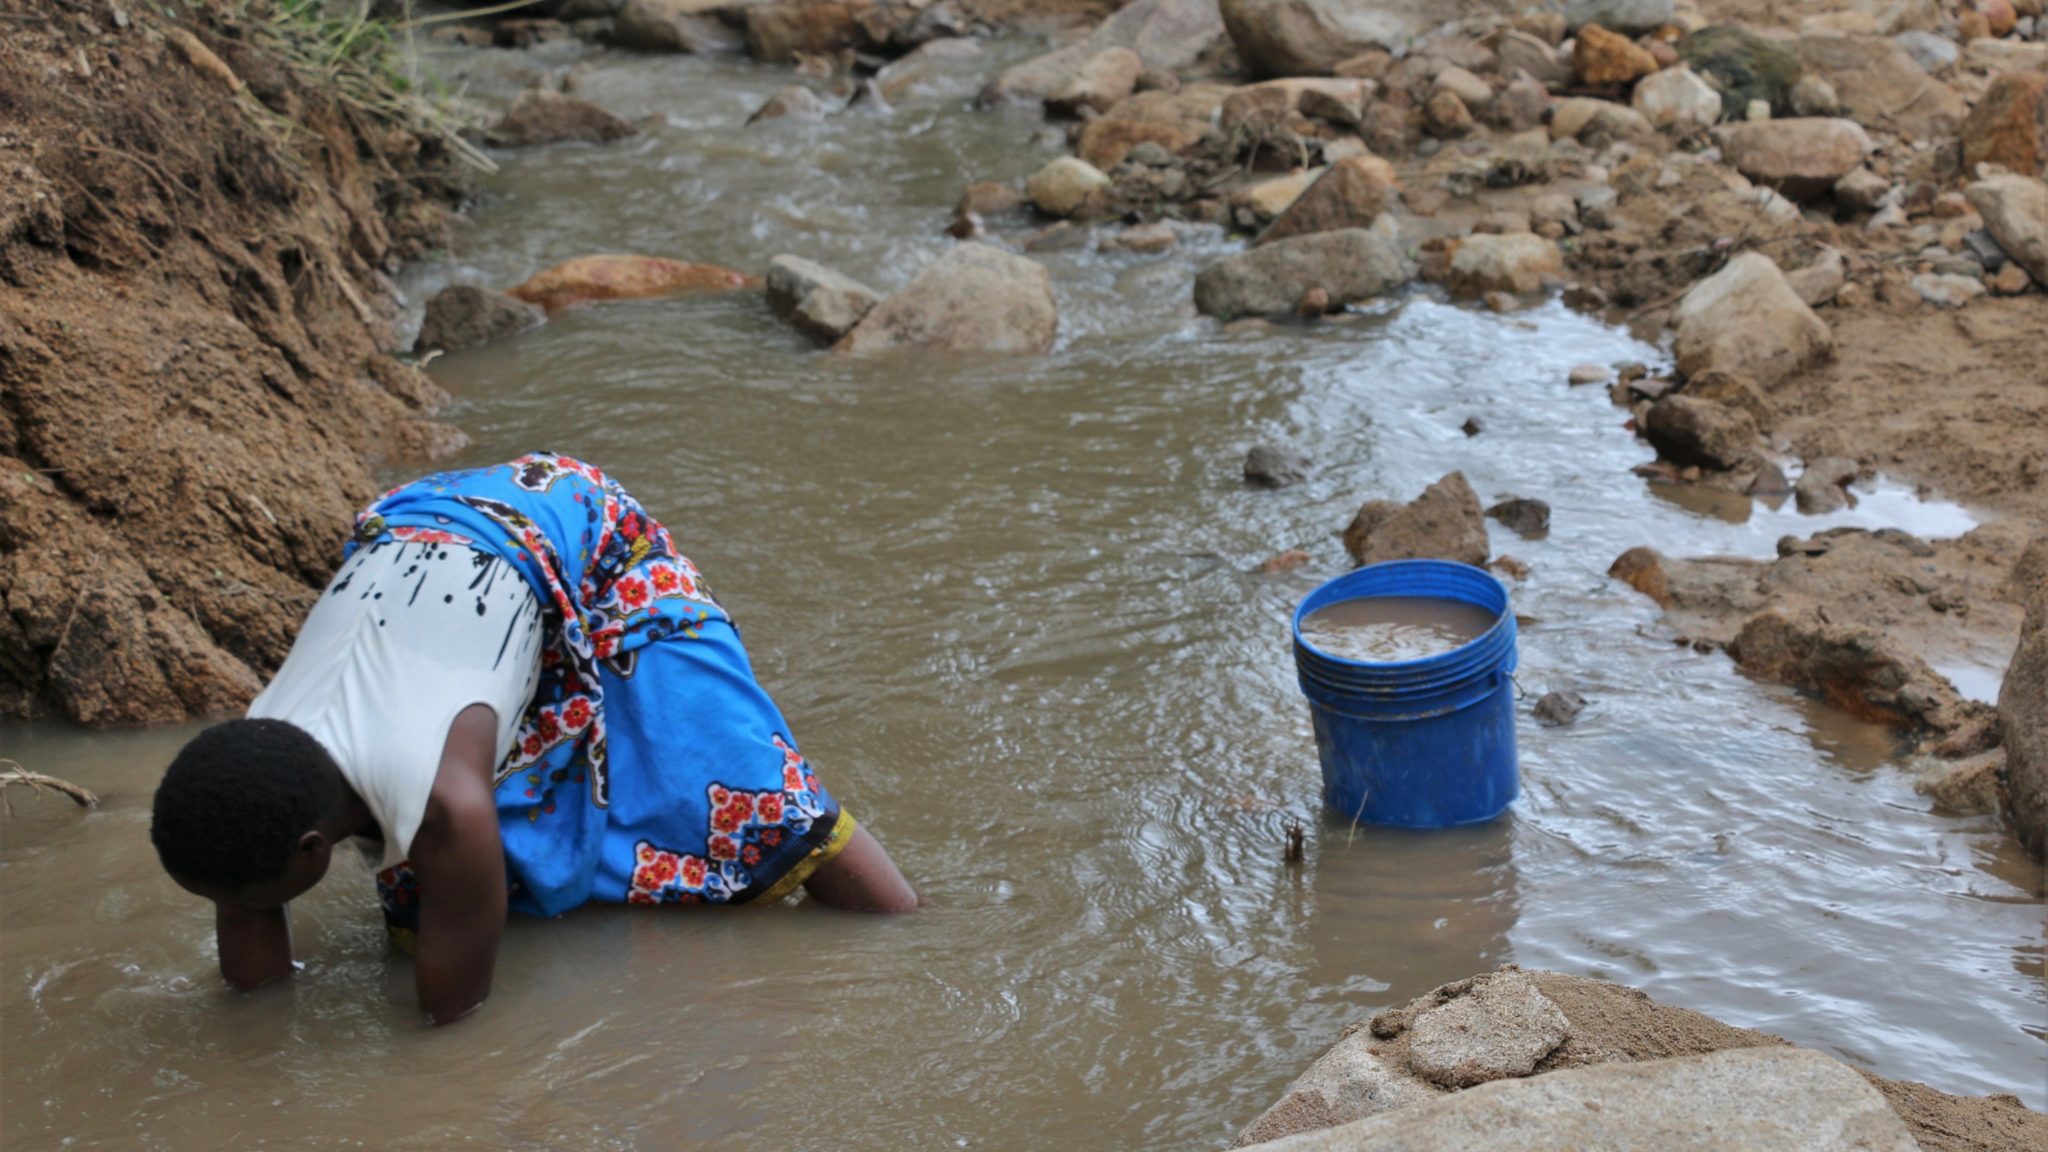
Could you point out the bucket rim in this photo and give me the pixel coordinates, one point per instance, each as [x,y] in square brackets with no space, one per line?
[1503,616]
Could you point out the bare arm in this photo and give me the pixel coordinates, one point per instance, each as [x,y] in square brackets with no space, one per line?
[255,946]
[862,878]
[459,856]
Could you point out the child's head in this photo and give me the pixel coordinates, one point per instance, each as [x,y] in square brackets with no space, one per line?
[237,813]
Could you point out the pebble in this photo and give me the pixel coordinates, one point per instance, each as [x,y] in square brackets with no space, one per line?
[1275,466]
[1557,709]
[1946,289]
[1590,374]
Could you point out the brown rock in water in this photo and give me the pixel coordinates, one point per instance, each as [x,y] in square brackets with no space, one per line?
[1068,187]
[678,26]
[1349,264]
[1642,569]
[1443,523]
[986,198]
[589,278]
[1176,121]
[795,102]
[1288,561]
[973,299]
[1857,669]
[2023,719]
[1601,58]
[1801,157]
[1351,193]
[1687,430]
[1972,787]
[1735,390]
[1274,466]
[780,30]
[462,315]
[543,117]
[1558,709]
[819,302]
[1524,516]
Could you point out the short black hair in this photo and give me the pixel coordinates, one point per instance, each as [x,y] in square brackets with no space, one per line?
[234,803]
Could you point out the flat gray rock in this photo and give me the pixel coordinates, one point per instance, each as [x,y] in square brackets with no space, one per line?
[1501,1028]
[1349,1083]
[1753,1099]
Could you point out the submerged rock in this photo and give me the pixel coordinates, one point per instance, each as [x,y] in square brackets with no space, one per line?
[1524,516]
[973,299]
[1274,466]
[1747,319]
[543,117]
[795,102]
[1349,1082]
[463,315]
[1350,264]
[1443,523]
[821,303]
[625,278]
[1557,709]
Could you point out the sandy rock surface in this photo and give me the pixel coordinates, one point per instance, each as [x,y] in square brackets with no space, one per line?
[973,299]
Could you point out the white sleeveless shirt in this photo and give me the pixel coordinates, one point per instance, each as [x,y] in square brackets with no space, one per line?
[408,634]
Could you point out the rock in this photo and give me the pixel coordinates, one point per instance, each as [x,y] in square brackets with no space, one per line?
[1588,374]
[2015,212]
[1443,523]
[1168,35]
[795,102]
[1145,239]
[1526,516]
[1601,58]
[1311,37]
[1176,121]
[1776,1099]
[1473,92]
[1858,669]
[2009,126]
[1274,565]
[1519,50]
[1352,193]
[462,315]
[1471,426]
[1814,96]
[1817,283]
[924,72]
[986,198]
[1518,262]
[1769,484]
[1349,1082]
[2023,719]
[1861,191]
[1880,87]
[1803,158]
[1676,98]
[781,30]
[821,303]
[1736,391]
[1557,709]
[1447,117]
[1500,1028]
[1823,485]
[678,26]
[1099,83]
[1999,15]
[1947,290]
[543,117]
[1746,318]
[625,278]
[1689,430]
[1069,187]
[1273,103]
[1522,104]
[1274,466]
[1744,65]
[1971,26]
[2010,280]
[1969,788]
[973,299]
[1934,54]
[1267,199]
[2006,56]
[1554,208]
[1351,264]
[1598,123]
[1634,17]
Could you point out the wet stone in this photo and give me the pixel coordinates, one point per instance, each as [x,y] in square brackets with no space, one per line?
[1274,466]
[1523,515]
[1556,709]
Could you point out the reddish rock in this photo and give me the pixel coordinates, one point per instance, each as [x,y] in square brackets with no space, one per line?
[1287,561]
[1602,58]
[2009,126]
[625,278]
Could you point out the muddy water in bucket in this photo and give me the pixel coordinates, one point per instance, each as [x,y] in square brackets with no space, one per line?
[1007,610]
[1384,629]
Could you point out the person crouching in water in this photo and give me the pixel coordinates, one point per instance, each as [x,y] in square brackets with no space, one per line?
[515,694]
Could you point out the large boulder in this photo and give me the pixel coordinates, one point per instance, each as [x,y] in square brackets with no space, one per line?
[1176,121]
[1765,1099]
[1351,193]
[680,25]
[2009,126]
[1746,319]
[1690,430]
[1881,86]
[625,278]
[822,304]
[1168,35]
[1744,66]
[1444,523]
[463,315]
[1311,37]
[2023,717]
[2015,212]
[1518,262]
[973,299]
[1801,157]
[543,117]
[1348,265]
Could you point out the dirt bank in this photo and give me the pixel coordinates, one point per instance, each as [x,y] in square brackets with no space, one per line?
[194,333]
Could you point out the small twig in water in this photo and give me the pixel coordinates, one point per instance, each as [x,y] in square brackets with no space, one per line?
[1297,848]
[13,773]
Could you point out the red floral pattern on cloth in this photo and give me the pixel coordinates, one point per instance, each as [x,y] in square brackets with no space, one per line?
[746,828]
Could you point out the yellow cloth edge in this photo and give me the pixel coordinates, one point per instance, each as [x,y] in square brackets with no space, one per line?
[823,854]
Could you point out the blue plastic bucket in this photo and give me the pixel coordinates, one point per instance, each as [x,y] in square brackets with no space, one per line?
[1426,743]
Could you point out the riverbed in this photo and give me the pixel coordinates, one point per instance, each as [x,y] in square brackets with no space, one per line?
[1007,606]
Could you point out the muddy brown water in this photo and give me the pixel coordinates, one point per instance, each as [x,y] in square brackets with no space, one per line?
[1005,605]
[1381,629]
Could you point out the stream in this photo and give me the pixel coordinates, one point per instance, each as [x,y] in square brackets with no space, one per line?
[1007,607]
